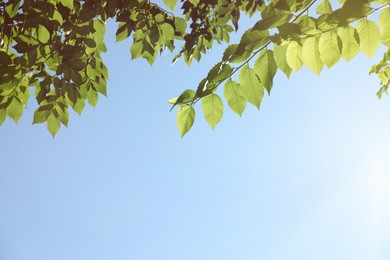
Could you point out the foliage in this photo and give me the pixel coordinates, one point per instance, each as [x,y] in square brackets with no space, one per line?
[55,47]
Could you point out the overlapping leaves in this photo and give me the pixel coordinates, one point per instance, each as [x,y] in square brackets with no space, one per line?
[55,46]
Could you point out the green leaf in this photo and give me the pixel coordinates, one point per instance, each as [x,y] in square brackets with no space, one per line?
[58,17]
[12,9]
[187,96]
[100,29]
[280,53]
[369,35]
[67,3]
[251,86]
[122,32]
[3,114]
[350,45]
[265,67]
[212,109]
[234,96]
[384,23]
[311,55]
[15,110]
[272,21]
[294,55]
[180,25]
[172,101]
[43,34]
[185,118]
[40,116]
[219,72]
[92,97]
[167,31]
[79,106]
[136,50]
[63,116]
[324,7]
[53,125]
[170,3]
[329,48]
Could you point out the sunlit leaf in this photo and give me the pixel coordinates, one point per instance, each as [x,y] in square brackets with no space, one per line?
[369,36]
[265,67]
[311,55]
[350,46]
[234,96]
[53,125]
[294,55]
[384,23]
[170,3]
[67,3]
[251,86]
[329,48]
[212,109]
[43,34]
[15,110]
[185,119]
[280,53]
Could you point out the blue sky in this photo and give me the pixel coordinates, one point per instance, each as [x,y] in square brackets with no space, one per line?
[306,177]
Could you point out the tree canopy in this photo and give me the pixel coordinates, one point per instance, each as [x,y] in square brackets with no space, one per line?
[55,47]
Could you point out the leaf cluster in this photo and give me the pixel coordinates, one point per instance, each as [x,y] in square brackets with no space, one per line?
[54,47]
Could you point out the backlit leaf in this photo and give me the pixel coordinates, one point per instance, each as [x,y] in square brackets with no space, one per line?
[329,48]
[369,35]
[294,55]
[185,118]
[251,86]
[311,55]
[43,34]
[234,96]
[384,23]
[53,125]
[212,109]
[67,3]
[15,110]
[280,53]
[265,67]
[92,97]
[350,46]
[170,3]
[324,7]
[3,114]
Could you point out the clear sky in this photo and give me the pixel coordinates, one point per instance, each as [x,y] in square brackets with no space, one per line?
[306,177]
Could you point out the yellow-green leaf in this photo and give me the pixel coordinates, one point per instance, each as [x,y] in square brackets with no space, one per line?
[280,53]
[67,3]
[324,7]
[53,125]
[329,48]
[15,110]
[294,55]
[92,97]
[350,46]
[311,55]
[43,34]
[58,17]
[265,67]
[212,107]
[185,118]
[384,23]
[234,96]
[369,35]
[3,114]
[170,3]
[251,86]
[167,31]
